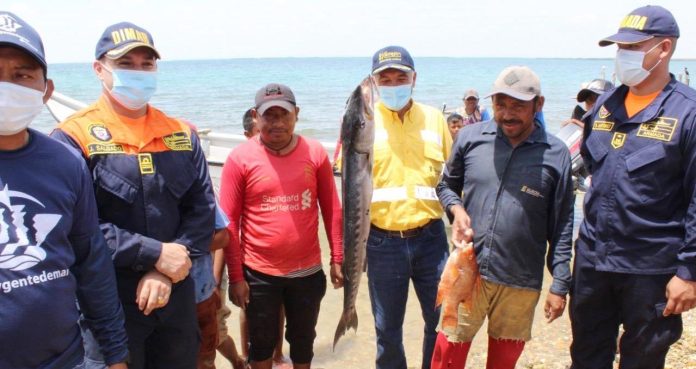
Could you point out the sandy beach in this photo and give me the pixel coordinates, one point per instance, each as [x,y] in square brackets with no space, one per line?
[356,350]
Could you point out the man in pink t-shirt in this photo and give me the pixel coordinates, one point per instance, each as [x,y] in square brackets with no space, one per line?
[271,189]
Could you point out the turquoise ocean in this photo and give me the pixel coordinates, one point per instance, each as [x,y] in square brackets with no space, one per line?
[216,93]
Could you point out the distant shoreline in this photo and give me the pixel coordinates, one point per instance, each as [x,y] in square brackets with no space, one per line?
[367,57]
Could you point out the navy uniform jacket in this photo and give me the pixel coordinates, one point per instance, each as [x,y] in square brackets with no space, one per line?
[151,184]
[640,210]
[519,199]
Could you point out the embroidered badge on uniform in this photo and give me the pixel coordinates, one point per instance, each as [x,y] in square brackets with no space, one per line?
[146,164]
[100,132]
[618,140]
[603,112]
[602,125]
[178,141]
[661,129]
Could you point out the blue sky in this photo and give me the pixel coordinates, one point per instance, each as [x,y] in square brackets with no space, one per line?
[206,29]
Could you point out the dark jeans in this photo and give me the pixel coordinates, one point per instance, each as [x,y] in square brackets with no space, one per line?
[301,298]
[391,263]
[601,301]
[168,338]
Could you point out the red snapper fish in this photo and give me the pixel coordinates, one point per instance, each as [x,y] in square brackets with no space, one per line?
[458,284]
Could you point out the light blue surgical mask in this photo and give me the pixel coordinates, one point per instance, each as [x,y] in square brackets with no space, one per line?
[133,88]
[629,66]
[395,97]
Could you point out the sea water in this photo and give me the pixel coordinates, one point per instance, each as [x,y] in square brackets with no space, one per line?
[216,93]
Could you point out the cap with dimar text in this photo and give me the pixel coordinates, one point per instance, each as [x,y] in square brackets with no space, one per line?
[597,86]
[120,38]
[274,94]
[392,57]
[643,24]
[518,82]
[16,32]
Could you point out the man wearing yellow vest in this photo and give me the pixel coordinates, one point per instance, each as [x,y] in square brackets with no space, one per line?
[407,239]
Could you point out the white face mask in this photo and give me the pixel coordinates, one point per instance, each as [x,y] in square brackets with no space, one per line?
[19,105]
[629,66]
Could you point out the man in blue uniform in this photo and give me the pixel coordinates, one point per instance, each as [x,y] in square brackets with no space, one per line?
[51,249]
[154,197]
[636,252]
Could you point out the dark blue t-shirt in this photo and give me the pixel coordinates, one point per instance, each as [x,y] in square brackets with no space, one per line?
[52,255]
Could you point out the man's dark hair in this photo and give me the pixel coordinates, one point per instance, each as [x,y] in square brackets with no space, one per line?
[454,116]
[248,121]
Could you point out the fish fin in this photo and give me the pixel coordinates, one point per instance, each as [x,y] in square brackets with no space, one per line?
[439,298]
[348,320]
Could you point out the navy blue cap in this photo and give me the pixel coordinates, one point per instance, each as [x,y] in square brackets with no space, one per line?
[643,24]
[392,57]
[16,32]
[120,38]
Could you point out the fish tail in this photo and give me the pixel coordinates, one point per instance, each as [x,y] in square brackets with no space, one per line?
[349,319]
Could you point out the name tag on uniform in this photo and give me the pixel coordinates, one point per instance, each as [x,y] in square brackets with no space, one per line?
[661,129]
[601,125]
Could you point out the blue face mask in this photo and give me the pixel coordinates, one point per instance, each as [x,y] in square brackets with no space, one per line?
[395,97]
[133,88]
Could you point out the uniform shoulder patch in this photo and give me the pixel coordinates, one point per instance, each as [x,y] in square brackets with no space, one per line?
[178,141]
[99,131]
[603,112]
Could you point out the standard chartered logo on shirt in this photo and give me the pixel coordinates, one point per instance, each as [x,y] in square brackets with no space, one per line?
[22,230]
[287,203]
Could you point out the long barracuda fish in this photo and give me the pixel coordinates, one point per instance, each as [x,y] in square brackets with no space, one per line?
[357,139]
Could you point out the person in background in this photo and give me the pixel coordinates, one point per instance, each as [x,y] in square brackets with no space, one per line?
[154,197]
[635,256]
[471,110]
[588,96]
[517,199]
[249,123]
[271,190]
[454,123]
[52,252]
[407,240]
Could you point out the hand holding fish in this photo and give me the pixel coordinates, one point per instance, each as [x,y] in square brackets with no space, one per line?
[336,276]
[461,226]
[554,306]
[239,294]
[681,296]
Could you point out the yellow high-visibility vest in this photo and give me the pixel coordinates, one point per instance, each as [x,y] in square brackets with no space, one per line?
[409,157]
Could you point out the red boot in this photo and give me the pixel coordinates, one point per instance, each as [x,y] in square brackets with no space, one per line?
[503,354]
[449,355]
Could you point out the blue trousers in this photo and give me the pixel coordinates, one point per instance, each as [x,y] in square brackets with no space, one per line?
[391,263]
[601,301]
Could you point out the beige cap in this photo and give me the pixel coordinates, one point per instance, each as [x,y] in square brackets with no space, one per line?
[518,82]
[471,93]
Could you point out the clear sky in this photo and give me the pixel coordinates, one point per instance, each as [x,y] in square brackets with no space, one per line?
[220,29]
